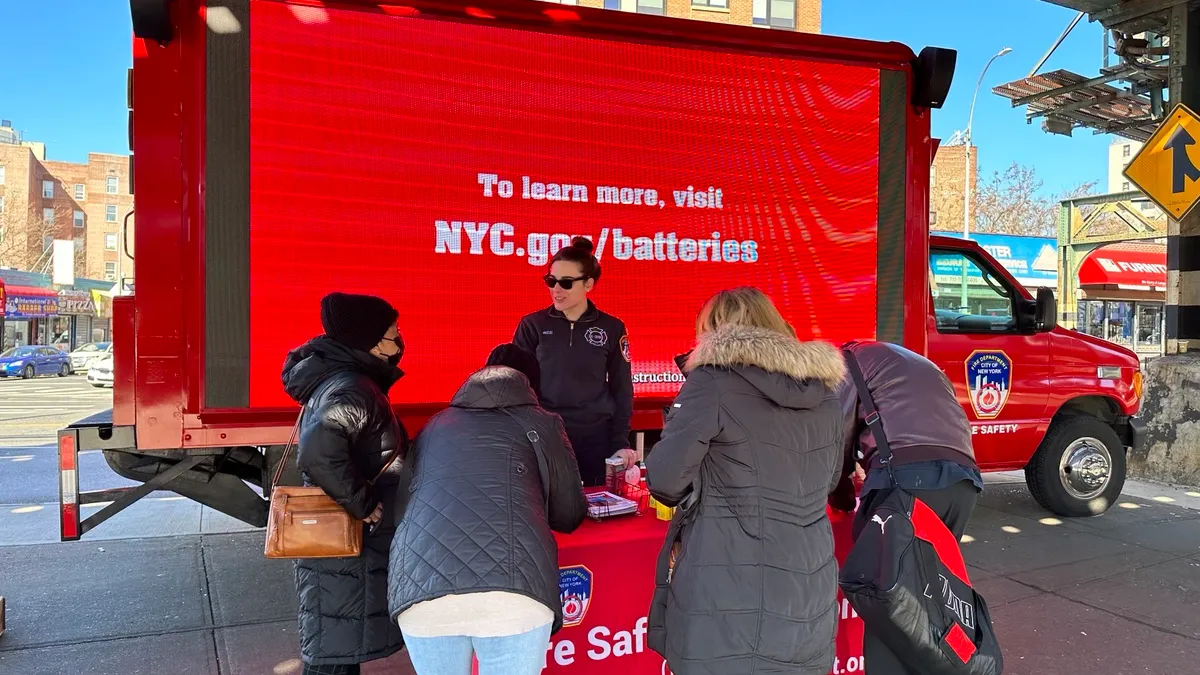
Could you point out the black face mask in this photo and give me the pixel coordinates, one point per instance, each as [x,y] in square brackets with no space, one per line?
[394,359]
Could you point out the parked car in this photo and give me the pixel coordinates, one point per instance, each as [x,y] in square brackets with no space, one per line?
[81,359]
[33,360]
[100,374]
[63,342]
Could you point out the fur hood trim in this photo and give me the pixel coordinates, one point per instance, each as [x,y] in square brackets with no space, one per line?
[731,346]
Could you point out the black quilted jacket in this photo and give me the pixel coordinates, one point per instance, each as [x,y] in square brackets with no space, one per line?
[474,513]
[347,434]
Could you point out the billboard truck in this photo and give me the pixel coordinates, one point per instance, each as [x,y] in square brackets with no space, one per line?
[438,153]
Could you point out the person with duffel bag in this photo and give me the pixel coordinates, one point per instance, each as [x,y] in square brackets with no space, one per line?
[905,575]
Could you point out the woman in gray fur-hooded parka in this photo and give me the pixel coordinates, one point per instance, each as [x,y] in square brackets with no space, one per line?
[751,447]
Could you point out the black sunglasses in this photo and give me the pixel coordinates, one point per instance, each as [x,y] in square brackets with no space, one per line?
[565,282]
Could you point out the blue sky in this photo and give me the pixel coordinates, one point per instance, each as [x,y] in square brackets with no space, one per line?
[70,92]
[978,30]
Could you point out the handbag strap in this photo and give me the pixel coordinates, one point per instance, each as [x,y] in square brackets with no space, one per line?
[535,439]
[291,444]
[872,419]
[287,450]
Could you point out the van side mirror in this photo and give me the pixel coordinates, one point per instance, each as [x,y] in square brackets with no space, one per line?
[1045,317]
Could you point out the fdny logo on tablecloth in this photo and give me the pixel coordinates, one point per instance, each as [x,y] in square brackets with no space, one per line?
[989,381]
[575,591]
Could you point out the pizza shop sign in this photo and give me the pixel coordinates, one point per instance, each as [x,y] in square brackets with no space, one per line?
[75,302]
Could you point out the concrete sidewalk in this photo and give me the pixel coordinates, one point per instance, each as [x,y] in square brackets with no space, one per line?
[194,605]
[1114,595]
[164,514]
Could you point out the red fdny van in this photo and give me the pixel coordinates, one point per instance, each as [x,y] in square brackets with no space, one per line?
[1058,403]
[437,153]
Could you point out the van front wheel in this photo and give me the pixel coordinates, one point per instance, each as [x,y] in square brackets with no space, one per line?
[1079,469]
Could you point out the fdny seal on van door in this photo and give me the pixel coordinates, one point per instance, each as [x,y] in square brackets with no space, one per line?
[989,381]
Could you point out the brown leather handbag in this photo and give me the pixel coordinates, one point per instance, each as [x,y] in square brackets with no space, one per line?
[304,522]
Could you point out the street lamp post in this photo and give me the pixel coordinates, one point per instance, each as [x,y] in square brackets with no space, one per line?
[967,166]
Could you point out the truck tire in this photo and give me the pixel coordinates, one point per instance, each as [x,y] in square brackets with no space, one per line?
[1079,469]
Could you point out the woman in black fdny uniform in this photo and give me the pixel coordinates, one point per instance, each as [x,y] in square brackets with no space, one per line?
[584,358]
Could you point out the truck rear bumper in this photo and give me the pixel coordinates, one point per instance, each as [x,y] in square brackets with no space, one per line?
[215,477]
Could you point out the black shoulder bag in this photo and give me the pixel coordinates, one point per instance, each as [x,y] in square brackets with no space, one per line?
[906,578]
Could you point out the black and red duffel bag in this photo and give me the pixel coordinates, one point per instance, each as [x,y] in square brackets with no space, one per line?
[906,578]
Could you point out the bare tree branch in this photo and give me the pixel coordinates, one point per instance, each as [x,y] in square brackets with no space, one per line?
[1011,202]
[25,236]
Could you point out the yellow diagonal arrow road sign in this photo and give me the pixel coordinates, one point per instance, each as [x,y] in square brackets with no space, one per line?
[1167,168]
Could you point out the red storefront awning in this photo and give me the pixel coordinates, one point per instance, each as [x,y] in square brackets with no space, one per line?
[1136,267]
[32,292]
[29,302]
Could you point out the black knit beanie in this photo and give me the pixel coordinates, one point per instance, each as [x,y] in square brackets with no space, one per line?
[520,360]
[357,321]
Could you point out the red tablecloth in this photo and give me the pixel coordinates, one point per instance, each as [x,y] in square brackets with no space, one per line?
[607,578]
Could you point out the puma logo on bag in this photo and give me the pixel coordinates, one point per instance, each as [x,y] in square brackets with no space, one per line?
[882,522]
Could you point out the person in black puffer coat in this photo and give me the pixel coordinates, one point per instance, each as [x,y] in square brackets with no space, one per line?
[474,565]
[348,435]
[749,452]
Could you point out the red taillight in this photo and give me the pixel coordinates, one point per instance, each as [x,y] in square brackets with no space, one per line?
[561,15]
[68,489]
[399,10]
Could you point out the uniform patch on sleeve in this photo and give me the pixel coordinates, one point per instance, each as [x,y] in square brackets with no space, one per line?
[625,347]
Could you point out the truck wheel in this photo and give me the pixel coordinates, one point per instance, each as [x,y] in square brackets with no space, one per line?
[1079,469]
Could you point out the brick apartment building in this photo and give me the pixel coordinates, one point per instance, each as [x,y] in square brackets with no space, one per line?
[800,15]
[946,188]
[42,200]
